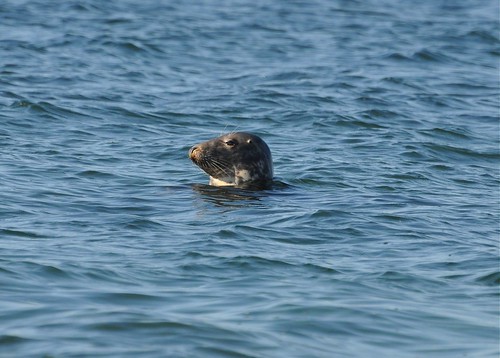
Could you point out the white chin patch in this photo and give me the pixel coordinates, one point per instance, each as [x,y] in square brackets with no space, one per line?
[219,182]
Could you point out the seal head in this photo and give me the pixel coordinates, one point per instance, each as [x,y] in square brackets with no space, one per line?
[235,159]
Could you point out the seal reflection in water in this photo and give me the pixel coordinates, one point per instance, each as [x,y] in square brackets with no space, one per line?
[235,159]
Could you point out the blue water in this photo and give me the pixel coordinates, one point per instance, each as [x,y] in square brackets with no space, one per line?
[381,238]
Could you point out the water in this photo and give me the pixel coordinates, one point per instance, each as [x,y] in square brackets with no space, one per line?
[382,239]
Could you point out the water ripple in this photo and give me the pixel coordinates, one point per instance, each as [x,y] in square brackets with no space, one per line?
[378,238]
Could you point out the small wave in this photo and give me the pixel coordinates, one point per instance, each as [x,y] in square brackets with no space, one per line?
[397,57]
[491,279]
[380,113]
[127,325]
[95,174]
[451,133]
[424,55]
[46,108]
[359,123]
[461,152]
[19,233]
[430,56]
[484,36]
[291,75]
[141,223]
[7,339]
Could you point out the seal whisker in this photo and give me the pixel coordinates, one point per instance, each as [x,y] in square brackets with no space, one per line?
[225,130]
[208,164]
[223,167]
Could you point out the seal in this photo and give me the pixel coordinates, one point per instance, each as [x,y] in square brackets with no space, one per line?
[235,159]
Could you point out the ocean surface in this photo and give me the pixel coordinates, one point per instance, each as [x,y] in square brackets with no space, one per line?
[379,239]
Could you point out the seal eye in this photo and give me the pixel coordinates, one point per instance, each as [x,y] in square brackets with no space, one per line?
[231,143]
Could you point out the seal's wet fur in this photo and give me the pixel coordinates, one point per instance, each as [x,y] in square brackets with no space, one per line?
[235,159]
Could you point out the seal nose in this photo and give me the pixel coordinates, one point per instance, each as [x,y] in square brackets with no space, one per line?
[191,153]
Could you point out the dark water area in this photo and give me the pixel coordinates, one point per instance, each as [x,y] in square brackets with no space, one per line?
[380,238]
